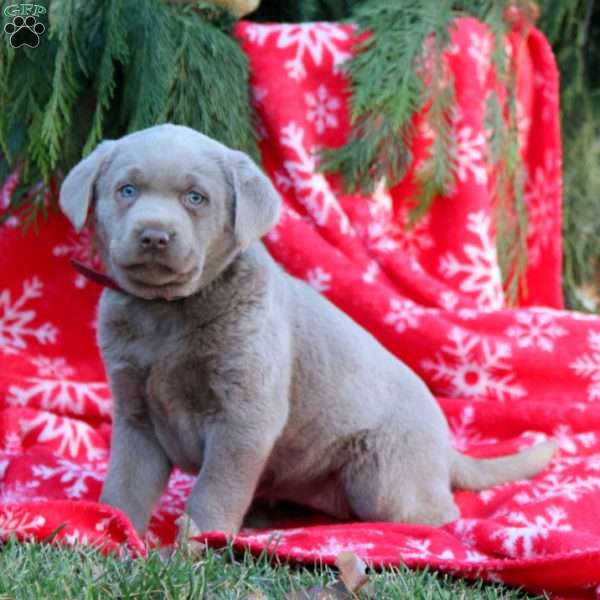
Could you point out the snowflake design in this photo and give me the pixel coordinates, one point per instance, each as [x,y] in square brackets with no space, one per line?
[77,477]
[319,279]
[403,315]
[310,39]
[588,365]
[333,547]
[535,330]
[479,50]
[73,435]
[19,491]
[480,272]
[463,530]
[76,538]
[172,502]
[464,435]
[52,367]
[371,272]
[414,548]
[468,155]
[448,300]
[553,486]
[18,521]
[62,395]
[322,107]
[542,195]
[16,321]
[519,541]
[391,233]
[568,441]
[79,247]
[312,189]
[473,367]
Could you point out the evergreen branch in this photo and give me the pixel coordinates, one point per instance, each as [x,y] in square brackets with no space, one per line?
[386,93]
[66,86]
[198,95]
[115,50]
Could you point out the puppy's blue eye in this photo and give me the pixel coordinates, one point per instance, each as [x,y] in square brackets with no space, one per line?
[195,198]
[128,191]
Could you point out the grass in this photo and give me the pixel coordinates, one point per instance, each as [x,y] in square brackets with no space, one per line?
[36,571]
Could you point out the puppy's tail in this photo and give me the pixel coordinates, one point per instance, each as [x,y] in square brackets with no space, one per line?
[477,474]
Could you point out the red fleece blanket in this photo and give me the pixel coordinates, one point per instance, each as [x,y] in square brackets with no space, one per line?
[432,295]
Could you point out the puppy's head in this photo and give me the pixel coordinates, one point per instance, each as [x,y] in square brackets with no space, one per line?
[172,208]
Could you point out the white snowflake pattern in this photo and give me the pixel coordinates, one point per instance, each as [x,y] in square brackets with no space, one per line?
[542,196]
[588,365]
[371,272]
[463,530]
[403,315]
[464,435]
[535,329]
[333,547]
[172,502]
[77,477]
[468,155]
[312,189]
[474,367]
[556,486]
[16,321]
[318,279]
[480,48]
[480,272]
[73,435]
[76,538]
[18,521]
[19,491]
[448,300]
[322,108]
[62,395]
[568,441]
[415,548]
[80,247]
[310,39]
[520,541]
[389,232]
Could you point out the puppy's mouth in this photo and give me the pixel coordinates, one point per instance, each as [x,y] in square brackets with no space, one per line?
[157,274]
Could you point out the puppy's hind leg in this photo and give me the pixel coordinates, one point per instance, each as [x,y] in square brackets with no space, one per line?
[383,484]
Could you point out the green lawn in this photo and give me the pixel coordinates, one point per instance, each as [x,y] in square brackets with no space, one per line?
[34,571]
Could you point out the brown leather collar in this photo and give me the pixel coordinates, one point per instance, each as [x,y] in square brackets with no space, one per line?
[96,276]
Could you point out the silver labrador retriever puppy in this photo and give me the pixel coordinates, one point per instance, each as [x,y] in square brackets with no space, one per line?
[222,364]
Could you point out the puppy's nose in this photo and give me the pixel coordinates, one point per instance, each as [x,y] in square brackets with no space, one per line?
[154,238]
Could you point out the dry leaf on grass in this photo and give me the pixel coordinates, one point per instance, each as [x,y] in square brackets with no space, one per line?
[256,596]
[353,579]
[353,572]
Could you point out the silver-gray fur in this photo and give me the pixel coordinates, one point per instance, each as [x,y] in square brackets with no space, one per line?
[224,365]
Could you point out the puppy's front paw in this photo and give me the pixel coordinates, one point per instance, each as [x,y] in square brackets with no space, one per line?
[186,531]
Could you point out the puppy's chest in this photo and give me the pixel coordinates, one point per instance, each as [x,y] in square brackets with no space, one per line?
[175,396]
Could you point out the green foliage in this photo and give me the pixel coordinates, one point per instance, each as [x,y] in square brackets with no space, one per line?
[105,68]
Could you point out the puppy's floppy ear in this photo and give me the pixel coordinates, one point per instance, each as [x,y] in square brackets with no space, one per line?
[77,189]
[257,204]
